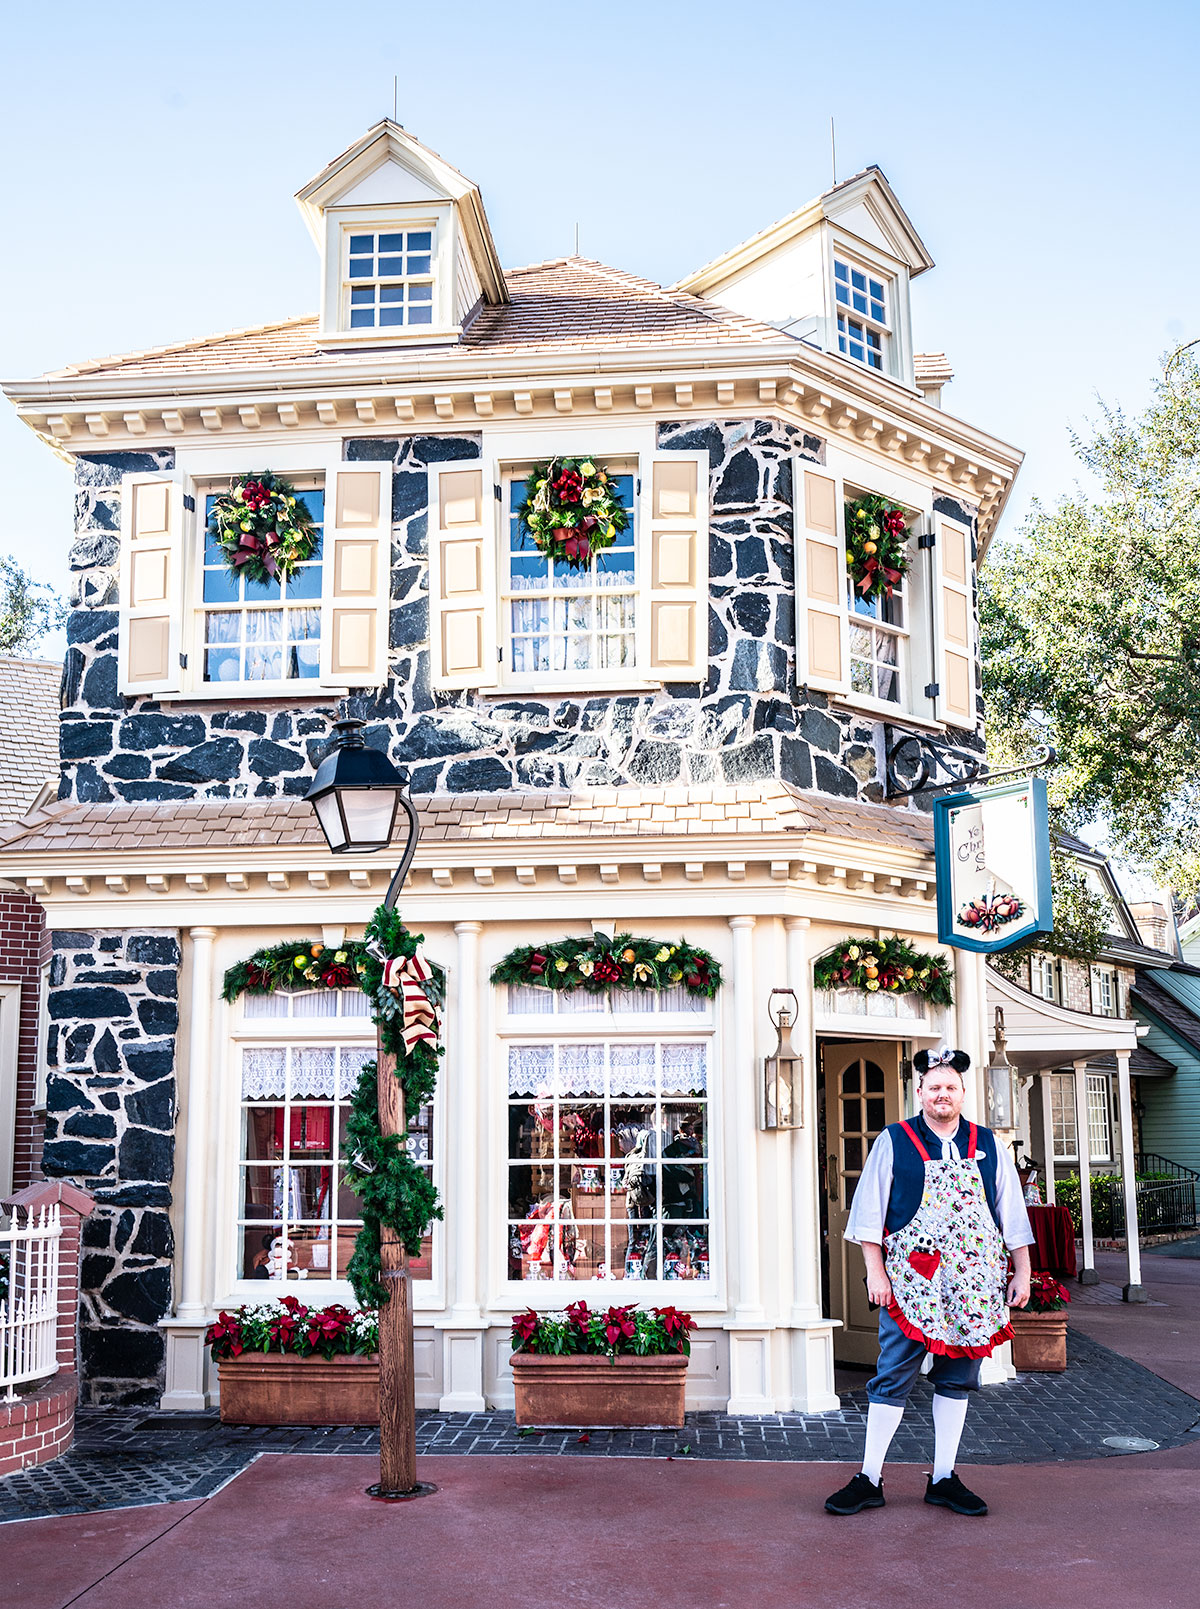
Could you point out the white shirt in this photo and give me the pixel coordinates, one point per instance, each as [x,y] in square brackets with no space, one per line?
[868,1211]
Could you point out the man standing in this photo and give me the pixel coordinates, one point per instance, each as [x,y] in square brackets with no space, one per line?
[937,1204]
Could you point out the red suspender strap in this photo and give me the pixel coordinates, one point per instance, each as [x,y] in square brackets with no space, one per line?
[971,1142]
[916,1140]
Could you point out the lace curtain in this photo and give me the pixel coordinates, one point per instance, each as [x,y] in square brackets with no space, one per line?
[305,1072]
[619,1070]
[527,1000]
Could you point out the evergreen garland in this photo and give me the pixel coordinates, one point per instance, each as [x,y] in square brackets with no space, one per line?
[599,964]
[885,966]
[876,545]
[299,964]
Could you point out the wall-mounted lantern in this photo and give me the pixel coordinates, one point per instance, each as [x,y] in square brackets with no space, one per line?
[1001,1085]
[783,1070]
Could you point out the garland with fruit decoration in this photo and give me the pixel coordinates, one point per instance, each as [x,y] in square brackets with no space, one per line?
[300,964]
[885,966]
[876,545]
[601,963]
[571,510]
[264,530]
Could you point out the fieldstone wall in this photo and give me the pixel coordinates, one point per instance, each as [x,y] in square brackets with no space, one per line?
[746,721]
[110,1100]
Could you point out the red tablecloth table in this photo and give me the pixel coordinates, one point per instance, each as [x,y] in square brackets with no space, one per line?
[1054,1241]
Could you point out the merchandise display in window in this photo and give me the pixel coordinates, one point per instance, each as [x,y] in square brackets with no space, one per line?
[608,1161]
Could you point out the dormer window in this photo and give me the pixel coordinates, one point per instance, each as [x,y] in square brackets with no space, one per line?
[862,322]
[389,278]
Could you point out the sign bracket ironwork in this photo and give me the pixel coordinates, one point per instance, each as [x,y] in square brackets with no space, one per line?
[960,769]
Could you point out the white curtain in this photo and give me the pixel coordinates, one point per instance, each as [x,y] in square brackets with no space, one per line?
[621,1070]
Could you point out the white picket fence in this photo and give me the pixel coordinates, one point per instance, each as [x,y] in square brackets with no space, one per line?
[29,1311]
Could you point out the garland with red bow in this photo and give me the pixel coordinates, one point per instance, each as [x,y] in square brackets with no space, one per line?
[876,545]
[262,527]
[571,510]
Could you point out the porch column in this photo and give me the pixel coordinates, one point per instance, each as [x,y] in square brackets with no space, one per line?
[1087,1274]
[191,1305]
[806,1252]
[1134,1290]
[462,1341]
[1045,1090]
[741,1087]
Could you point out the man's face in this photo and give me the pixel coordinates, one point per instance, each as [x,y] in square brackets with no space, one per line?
[941,1094]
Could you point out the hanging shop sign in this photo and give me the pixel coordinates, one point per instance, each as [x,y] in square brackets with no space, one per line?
[992,849]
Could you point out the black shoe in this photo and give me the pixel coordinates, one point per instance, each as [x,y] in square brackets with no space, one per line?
[951,1493]
[856,1495]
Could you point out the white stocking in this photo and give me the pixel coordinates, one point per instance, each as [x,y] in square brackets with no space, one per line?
[883,1420]
[948,1416]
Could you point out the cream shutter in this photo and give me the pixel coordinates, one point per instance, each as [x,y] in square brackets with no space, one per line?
[822,637]
[675,547]
[462,583]
[153,515]
[953,635]
[356,575]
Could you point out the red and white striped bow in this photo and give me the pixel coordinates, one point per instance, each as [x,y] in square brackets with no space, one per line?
[404,975]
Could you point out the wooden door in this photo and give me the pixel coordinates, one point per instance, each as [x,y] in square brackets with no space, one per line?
[862,1096]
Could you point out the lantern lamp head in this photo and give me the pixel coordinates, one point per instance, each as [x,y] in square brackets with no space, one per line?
[356,793]
[783,1070]
[1001,1082]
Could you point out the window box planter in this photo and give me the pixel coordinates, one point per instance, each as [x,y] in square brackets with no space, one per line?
[280,1388]
[1039,1343]
[591,1392]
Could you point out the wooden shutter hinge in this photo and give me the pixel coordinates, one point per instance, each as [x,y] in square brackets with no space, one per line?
[933,689]
[183,661]
[927,539]
[189,502]
[496,491]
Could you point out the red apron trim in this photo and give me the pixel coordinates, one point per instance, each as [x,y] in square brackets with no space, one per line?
[944,1348]
[971,1144]
[916,1140]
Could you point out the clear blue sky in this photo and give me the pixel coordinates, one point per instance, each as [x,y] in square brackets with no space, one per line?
[1046,153]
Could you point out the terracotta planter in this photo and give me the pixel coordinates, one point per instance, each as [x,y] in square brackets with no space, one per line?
[276,1388]
[1039,1343]
[591,1392]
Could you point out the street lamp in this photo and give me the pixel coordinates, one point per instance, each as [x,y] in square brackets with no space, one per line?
[357,794]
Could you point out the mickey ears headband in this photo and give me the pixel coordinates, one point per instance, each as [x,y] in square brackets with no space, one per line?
[926,1060]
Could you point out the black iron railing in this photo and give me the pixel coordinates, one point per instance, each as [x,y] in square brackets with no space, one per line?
[1163,1206]
[1151,1162]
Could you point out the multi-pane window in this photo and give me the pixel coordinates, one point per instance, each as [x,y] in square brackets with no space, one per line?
[1062,1109]
[390,278]
[878,643]
[561,619]
[861,314]
[608,1143]
[301,1055]
[1045,978]
[262,631]
[1104,992]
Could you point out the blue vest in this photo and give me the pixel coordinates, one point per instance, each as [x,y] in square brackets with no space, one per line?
[908,1167]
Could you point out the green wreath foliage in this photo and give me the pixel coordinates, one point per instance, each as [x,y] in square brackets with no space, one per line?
[885,966]
[298,964]
[263,528]
[876,545]
[571,510]
[600,963]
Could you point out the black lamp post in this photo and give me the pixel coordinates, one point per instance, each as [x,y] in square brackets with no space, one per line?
[357,794]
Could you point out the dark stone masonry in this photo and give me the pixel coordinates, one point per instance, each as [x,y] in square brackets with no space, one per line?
[110,1102]
[747,721]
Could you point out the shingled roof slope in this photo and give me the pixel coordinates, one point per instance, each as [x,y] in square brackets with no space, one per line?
[1171,1012]
[28,731]
[568,303]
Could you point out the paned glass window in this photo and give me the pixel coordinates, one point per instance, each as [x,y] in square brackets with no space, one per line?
[558,619]
[1062,1107]
[608,1159]
[1045,978]
[861,314]
[390,278]
[297,1218]
[262,631]
[1104,992]
[878,644]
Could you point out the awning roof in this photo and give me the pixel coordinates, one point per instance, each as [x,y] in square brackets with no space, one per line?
[1042,1035]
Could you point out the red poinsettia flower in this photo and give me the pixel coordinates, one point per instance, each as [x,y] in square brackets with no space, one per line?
[619,1325]
[337,976]
[579,1315]
[568,488]
[524,1326]
[894,524]
[226,1332]
[676,1324]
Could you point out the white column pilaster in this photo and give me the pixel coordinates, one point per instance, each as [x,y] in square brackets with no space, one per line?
[1134,1290]
[1087,1272]
[806,1223]
[741,1129]
[462,1340]
[1045,1091]
[195,1219]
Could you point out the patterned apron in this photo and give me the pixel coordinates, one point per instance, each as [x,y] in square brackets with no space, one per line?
[948,1266]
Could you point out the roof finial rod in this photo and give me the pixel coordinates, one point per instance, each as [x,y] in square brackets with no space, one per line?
[577,240]
[395,97]
[833,148]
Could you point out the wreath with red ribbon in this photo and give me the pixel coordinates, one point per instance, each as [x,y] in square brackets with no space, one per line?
[262,527]
[876,545]
[571,510]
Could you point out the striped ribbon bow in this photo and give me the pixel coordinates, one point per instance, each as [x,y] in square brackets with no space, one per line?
[404,976]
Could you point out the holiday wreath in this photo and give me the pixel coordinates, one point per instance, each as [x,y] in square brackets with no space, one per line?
[571,510]
[262,527]
[876,545]
[885,965]
[600,964]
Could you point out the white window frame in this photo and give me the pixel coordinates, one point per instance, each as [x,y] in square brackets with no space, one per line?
[564,1026]
[1063,1117]
[1046,970]
[345,301]
[341,222]
[1106,991]
[882,328]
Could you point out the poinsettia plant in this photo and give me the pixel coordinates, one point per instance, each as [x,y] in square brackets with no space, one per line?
[876,545]
[571,510]
[263,528]
[301,964]
[602,963]
[289,1326]
[888,966]
[613,1332]
[1046,1294]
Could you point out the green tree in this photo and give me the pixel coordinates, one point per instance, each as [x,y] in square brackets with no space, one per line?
[28,610]
[1090,633]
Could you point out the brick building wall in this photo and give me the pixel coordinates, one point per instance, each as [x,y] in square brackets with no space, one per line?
[24,950]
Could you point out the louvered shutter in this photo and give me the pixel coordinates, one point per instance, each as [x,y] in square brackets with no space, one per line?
[822,638]
[675,544]
[153,516]
[462,541]
[954,640]
[356,572]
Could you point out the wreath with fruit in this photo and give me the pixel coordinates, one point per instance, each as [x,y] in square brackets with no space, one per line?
[885,966]
[264,530]
[876,545]
[571,510]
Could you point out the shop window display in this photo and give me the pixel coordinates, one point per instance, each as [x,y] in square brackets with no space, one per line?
[608,1160]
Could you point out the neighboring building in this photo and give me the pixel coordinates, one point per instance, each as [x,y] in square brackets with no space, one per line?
[695,742]
[1166,1000]
[28,777]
